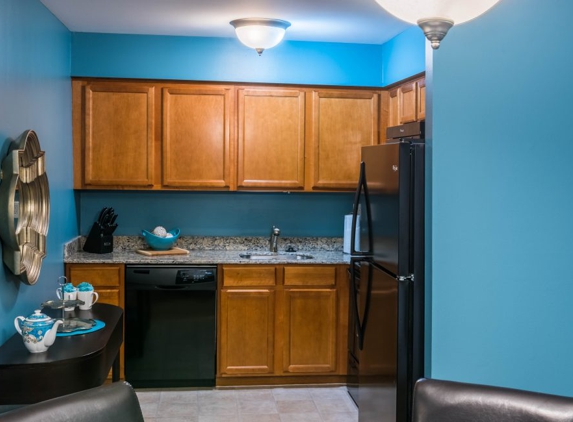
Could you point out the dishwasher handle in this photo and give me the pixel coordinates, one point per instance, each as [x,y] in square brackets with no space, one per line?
[207,286]
[160,287]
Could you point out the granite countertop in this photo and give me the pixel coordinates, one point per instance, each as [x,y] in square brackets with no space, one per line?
[213,250]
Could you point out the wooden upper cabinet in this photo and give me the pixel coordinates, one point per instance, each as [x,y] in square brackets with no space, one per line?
[408,102]
[393,108]
[342,122]
[421,94]
[130,134]
[117,126]
[271,138]
[197,151]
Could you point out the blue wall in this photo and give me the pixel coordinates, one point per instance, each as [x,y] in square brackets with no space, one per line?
[403,56]
[221,213]
[36,94]
[225,59]
[502,199]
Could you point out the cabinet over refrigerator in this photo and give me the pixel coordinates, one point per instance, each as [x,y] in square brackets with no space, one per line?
[387,272]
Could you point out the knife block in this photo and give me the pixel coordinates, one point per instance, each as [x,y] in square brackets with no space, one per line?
[98,242]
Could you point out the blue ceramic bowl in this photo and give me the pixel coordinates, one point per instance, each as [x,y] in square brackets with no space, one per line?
[161,243]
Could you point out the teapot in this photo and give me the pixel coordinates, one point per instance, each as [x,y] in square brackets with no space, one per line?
[38,331]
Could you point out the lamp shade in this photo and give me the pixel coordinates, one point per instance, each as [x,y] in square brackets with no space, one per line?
[260,33]
[436,17]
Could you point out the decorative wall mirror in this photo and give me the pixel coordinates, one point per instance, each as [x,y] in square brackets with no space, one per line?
[25,206]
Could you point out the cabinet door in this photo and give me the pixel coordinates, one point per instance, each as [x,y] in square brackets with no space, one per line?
[106,279]
[119,133]
[108,282]
[310,331]
[246,339]
[408,103]
[343,122]
[271,138]
[196,137]
[421,94]
[393,108]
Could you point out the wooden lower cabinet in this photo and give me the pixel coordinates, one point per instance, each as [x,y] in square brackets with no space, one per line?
[310,331]
[282,324]
[108,282]
[247,331]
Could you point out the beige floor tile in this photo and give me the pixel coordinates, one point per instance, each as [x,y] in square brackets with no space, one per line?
[260,418]
[218,394]
[291,394]
[182,410]
[300,417]
[328,404]
[218,407]
[329,393]
[174,396]
[260,407]
[148,396]
[218,418]
[333,406]
[254,394]
[296,406]
[340,417]
[149,410]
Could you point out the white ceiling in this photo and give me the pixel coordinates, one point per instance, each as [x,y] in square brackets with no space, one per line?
[350,21]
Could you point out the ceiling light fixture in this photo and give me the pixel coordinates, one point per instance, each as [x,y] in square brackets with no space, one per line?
[436,17]
[260,33]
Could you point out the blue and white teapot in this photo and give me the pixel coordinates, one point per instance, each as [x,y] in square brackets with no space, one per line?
[38,331]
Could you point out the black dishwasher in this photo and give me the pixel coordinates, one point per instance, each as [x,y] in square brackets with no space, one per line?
[170,325]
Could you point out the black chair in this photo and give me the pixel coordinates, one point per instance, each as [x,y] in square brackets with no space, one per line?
[448,401]
[111,402]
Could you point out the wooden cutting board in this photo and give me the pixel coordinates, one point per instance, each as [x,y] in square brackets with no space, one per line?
[172,251]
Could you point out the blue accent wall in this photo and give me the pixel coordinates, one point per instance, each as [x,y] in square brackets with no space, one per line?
[221,213]
[225,59]
[36,94]
[403,56]
[502,208]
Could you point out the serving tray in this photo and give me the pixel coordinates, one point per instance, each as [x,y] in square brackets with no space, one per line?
[172,251]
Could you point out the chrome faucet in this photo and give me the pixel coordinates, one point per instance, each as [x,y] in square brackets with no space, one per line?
[273,241]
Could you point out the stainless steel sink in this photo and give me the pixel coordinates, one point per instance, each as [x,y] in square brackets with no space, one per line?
[274,256]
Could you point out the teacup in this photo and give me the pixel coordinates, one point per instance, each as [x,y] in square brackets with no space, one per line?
[67,296]
[89,297]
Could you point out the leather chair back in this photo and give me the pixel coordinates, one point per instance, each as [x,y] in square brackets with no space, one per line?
[448,401]
[112,402]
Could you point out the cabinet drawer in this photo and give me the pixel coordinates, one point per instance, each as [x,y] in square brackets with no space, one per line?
[306,276]
[96,275]
[253,275]
[110,296]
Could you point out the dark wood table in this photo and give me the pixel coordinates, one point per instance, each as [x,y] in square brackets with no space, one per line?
[71,364]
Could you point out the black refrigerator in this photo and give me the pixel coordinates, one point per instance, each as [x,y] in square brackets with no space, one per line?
[387,276]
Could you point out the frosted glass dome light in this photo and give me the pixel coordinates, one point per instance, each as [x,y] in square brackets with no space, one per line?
[260,33]
[436,17]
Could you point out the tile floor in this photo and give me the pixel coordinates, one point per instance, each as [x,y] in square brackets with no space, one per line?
[321,404]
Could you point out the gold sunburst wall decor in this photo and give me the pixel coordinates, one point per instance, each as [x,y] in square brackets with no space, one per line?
[25,203]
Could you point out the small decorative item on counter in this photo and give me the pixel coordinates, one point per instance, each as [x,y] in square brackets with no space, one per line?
[100,237]
[87,294]
[159,231]
[161,243]
[84,286]
[69,293]
[38,331]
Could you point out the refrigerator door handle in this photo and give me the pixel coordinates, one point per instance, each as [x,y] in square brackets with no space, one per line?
[361,323]
[362,188]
